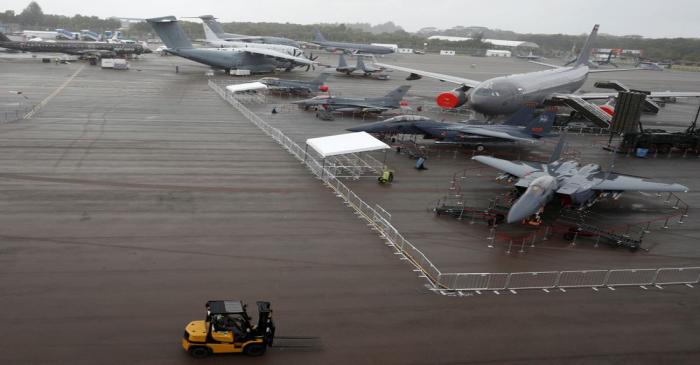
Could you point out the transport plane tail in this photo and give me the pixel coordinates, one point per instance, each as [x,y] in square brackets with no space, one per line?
[170,32]
[210,22]
[585,54]
[209,34]
[319,37]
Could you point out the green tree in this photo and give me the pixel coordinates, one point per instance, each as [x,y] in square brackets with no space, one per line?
[32,14]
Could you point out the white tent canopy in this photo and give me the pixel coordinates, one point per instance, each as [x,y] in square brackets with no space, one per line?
[345,143]
[250,86]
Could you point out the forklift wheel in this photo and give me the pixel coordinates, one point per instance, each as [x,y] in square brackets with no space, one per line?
[255,349]
[199,352]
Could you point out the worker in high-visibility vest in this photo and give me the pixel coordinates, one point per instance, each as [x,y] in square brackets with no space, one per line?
[386,177]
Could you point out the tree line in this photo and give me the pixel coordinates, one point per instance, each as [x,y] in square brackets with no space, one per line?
[684,50]
[32,17]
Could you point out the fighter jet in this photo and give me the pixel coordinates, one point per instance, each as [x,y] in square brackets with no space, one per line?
[360,68]
[392,100]
[522,126]
[249,58]
[297,86]
[350,48]
[506,94]
[215,27]
[97,49]
[577,186]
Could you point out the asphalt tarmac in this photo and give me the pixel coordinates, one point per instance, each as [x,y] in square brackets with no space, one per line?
[131,198]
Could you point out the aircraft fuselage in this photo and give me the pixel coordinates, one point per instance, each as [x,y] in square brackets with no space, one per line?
[507,94]
[227,59]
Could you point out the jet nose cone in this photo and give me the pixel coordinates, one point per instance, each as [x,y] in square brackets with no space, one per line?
[481,104]
[523,208]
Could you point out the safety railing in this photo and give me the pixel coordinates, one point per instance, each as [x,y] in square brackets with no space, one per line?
[464,281]
[403,246]
[569,279]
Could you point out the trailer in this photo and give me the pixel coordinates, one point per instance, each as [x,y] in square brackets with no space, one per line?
[662,141]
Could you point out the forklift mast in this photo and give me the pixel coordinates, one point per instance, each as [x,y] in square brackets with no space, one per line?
[265,327]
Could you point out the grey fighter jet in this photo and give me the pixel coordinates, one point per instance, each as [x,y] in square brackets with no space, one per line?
[392,100]
[522,126]
[211,22]
[361,68]
[297,86]
[350,48]
[577,186]
[251,58]
[507,94]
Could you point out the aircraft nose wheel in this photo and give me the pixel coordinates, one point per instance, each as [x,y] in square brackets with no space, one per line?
[480,148]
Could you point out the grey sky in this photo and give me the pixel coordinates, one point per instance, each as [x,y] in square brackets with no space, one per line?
[650,18]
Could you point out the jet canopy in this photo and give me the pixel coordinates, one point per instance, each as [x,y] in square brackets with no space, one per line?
[406,118]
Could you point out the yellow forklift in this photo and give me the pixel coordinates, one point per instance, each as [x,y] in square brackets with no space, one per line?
[228,329]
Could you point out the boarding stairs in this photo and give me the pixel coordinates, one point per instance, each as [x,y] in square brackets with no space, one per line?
[590,111]
[649,105]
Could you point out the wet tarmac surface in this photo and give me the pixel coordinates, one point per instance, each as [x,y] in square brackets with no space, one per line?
[131,198]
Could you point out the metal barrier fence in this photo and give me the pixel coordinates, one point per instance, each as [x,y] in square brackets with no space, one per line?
[569,279]
[15,114]
[403,246]
[464,281]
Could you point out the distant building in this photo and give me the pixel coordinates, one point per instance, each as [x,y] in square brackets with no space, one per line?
[497,53]
[495,42]
[446,52]
[405,50]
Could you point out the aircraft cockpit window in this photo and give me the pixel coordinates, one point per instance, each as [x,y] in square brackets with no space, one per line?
[486,92]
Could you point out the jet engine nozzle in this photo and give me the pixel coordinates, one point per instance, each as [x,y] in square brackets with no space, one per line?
[451,99]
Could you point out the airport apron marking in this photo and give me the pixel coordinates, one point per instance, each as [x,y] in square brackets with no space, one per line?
[48,98]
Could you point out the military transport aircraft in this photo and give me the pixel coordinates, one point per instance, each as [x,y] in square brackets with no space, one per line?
[97,49]
[219,31]
[577,186]
[506,94]
[353,48]
[392,100]
[521,126]
[213,39]
[249,58]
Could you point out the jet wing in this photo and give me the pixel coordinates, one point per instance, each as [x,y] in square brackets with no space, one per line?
[433,75]
[618,182]
[599,70]
[512,136]
[276,54]
[545,64]
[312,102]
[515,168]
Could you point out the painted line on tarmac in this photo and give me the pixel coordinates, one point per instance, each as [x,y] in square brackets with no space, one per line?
[48,98]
